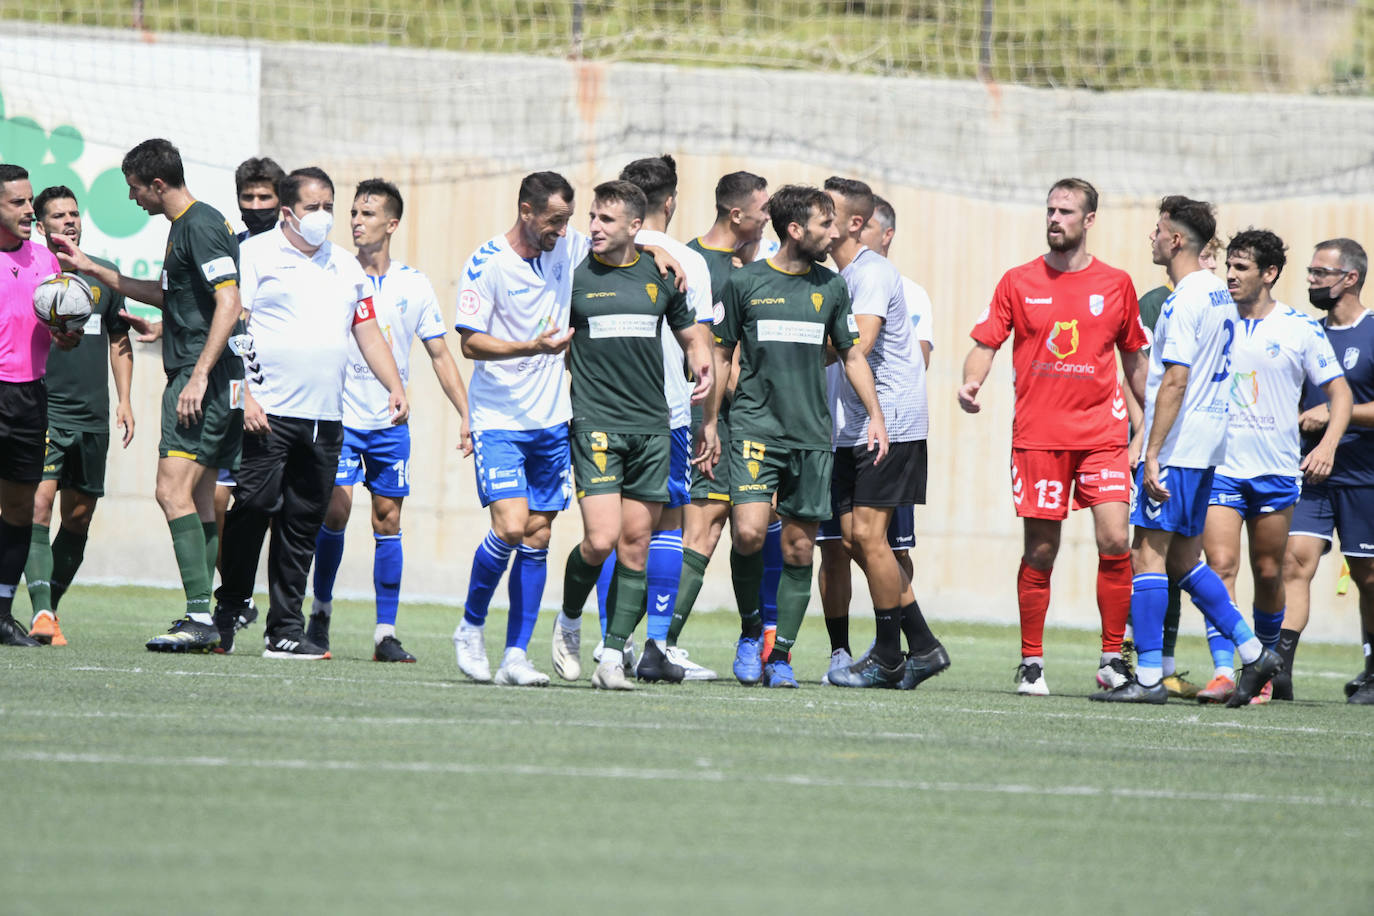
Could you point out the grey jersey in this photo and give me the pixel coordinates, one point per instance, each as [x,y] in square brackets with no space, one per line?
[875,288]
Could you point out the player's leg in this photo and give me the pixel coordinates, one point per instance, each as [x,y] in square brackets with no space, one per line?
[386,459]
[804,500]
[748,527]
[1040,486]
[836,588]
[768,585]
[1110,528]
[1221,546]
[1268,536]
[1310,535]
[329,543]
[629,592]
[16,520]
[38,564]
[66,552]
[257,497]
[177,480]
[1354,520]
[224,488]
[1362,573]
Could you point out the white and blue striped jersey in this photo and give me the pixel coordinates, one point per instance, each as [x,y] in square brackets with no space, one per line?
[1197,329]
[511,298]
[1269,361]
[676,386]
[406,308]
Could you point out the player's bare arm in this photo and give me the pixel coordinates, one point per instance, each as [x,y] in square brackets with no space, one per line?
[377,354]
[1168,400]
[1319,462]
[1136,367]
[228,307]
[977,365]
[701,358]
[122,369]
[446,370]
[870,326]
[479,345]
[857,370]
[73,258]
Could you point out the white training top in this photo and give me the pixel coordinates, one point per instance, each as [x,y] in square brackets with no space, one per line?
[676,385]
[1197,329]
[406,308]
[919,307]
[302,313]
[1271,357]
[510,298]
[899,372]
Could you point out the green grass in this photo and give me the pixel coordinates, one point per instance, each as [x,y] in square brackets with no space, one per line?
[141,783]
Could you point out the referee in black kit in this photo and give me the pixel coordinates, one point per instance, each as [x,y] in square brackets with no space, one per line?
[304,297]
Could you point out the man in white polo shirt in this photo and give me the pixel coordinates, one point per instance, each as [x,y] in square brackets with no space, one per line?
[304,297]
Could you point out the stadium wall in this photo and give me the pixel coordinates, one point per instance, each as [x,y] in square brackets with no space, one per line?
[965,164]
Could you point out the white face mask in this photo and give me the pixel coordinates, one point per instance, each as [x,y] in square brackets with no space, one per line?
[314,226]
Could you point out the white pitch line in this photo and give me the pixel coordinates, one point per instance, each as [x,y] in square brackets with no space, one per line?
[705,774]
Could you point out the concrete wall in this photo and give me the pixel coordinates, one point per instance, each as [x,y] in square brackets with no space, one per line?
[965,165]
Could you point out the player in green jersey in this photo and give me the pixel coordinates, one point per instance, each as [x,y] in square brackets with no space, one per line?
[780,312]
[620,437]
[78,427]
[202,406]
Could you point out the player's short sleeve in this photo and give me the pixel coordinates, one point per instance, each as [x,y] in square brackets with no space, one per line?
[699,298]
[1181,341]
[249,276]
[476,293]
[920,308]
[994,326]
[431,323]
[731,319]
[679,313]
[579,246]
[869,294]
[843,329]
[1318,358]
[215,253]
[1132,337]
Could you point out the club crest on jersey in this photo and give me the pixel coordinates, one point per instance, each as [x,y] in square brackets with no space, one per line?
[753,467]
[817,300]
[652,290]
[1244,388]
[1096,304]
[1351,357]
[600,459]
[1272,349]
[1063,340]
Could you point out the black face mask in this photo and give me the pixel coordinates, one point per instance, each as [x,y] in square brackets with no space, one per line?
[259,221]
[1321,298]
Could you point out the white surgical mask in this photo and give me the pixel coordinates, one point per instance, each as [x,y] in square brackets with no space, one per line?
[314,226]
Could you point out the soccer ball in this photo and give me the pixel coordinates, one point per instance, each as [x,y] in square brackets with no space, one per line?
[63,302]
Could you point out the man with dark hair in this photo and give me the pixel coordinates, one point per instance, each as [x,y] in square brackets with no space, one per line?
[780,312]
[1071,314]
[202,407]
[741,214]
[255,182]
[305,299]
[78,427]
[1185,440]
[375,450]
[865,494]
[1343,504]
[1277,350]
[24,264]
[620,430]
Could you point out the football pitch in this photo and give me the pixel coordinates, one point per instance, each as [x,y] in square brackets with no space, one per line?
[144,783]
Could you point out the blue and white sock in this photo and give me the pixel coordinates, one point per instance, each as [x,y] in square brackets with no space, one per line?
[1209,594]
[387,562]
[488,565]
[664,572]
[603,589]
[772,575]
[1223,652]
[329,548]
[1267,627]
[1149,605]
[528,573]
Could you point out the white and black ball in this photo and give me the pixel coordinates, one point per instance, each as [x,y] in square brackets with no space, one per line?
[63,302]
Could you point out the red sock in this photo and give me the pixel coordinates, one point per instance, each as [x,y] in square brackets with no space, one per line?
[1033,596]
[1113,598]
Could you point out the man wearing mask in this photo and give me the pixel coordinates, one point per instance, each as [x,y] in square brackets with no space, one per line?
[1344,503]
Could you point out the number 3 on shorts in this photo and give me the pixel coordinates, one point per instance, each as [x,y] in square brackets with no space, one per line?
[753,450]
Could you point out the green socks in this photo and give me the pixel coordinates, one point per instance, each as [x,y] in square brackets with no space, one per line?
[794,594]
[693,571]
[579,578]
[746,572]
[625,604]
[188,542]
[38,569]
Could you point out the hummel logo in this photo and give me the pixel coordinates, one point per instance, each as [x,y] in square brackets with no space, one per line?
[661,603]
[1031,300]
[1152,508]
[1119,407]
[1169,312]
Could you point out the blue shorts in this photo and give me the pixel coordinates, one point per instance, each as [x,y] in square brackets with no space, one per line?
[1254,496]
[225,478]
[1185,511]
[530,464]
[1347,511]
[901,531]
[679,468]
[380,458]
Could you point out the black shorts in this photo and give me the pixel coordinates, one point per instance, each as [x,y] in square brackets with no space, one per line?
[901,531]
[23,430]
[898,480]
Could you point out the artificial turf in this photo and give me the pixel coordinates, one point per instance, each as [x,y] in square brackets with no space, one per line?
[140,782]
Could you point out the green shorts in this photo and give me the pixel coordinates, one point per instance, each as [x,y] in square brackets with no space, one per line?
[216,440]
[76,460]
[704,487]
[799,476]
[631,464]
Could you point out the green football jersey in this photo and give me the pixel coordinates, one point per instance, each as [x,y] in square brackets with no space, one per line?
[202,256]
[780,322]
[720,262]
[616,357]
[78,380]
[1150,305]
